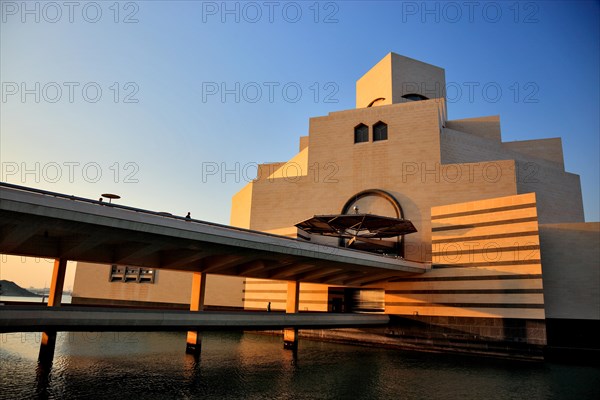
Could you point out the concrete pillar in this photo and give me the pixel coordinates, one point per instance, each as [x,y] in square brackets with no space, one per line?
[47,346]
[290,335]
[194,338]
[54,300]
[58,282]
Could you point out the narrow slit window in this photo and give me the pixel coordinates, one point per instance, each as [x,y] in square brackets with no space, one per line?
[414,97]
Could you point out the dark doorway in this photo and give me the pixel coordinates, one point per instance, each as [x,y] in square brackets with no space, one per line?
[348,300]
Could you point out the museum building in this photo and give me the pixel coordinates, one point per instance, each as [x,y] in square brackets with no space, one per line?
[514,266]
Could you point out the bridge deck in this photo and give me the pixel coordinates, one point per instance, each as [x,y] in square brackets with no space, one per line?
[52,225]
[40,318]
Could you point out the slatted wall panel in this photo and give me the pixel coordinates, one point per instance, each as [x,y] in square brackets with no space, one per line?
[486,263]
[259,292]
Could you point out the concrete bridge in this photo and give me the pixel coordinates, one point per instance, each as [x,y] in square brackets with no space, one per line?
[97,319]
[51,225]
[44,224]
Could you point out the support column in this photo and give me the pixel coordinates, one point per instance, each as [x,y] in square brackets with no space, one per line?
[290,335]
[57,284]
[194,338]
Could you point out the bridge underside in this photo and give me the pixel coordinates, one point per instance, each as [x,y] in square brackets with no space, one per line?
[39,224]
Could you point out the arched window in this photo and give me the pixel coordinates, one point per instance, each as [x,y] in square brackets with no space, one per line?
[375,101]
[414,97]
[380,131]
[378,202]
[361,133]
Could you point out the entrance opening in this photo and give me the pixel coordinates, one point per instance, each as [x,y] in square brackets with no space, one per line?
[352,300]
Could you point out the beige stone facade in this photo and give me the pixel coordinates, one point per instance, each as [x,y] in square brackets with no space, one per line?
[570,255]
[169,289]
[490,215]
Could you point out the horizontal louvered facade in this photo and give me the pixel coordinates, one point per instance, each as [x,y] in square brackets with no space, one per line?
[485,263]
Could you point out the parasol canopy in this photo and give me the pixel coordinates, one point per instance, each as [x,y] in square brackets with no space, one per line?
[357,225]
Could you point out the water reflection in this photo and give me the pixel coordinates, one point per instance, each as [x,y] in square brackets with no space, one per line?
[42,379]
[252,366]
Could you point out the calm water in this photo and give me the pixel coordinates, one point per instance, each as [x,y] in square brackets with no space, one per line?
[66,298]
[237,365]
[251,366]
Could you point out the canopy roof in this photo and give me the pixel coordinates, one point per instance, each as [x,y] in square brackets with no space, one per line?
[353,225]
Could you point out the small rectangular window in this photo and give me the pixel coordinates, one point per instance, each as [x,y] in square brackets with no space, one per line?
[120,273]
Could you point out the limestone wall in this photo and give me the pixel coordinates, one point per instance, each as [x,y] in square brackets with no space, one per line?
[92,282]
[558,192]
[570,254]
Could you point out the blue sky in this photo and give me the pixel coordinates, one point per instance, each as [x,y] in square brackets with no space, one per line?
[157,126]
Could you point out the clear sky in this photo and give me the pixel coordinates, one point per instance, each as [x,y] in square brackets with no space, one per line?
[172,104]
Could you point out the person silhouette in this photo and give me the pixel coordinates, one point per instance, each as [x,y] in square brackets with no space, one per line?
[188,216]
[269,307]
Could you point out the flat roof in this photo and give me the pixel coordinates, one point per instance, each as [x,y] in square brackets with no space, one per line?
[44,224]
